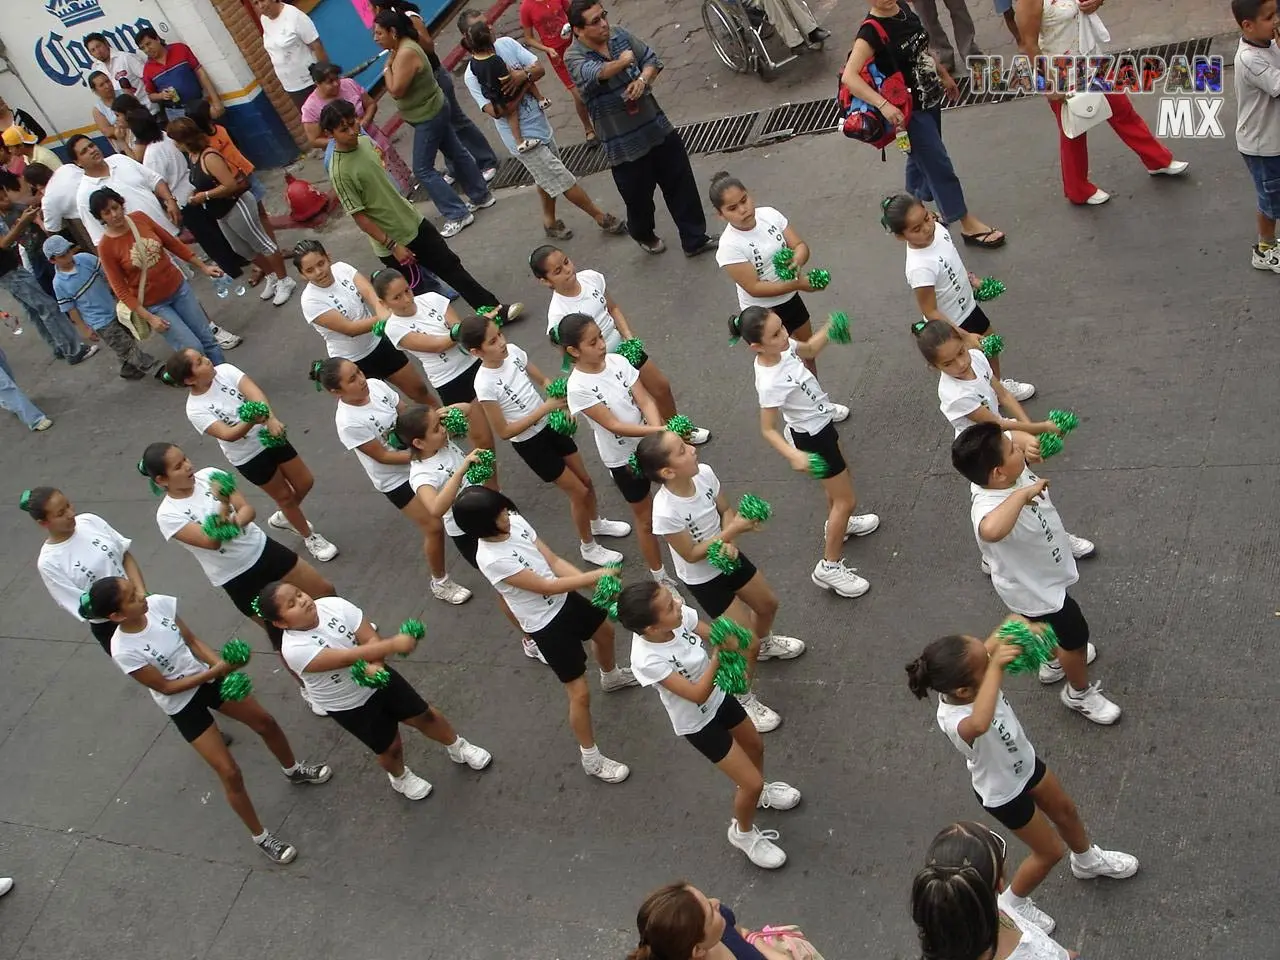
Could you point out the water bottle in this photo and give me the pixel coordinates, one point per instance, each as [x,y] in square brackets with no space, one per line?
[903,141]
[222,286]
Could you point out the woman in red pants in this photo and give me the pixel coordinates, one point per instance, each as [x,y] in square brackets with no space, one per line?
[1057,28]
[545,25]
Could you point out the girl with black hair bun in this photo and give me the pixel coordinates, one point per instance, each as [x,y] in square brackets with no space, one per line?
[365,418]
[541,590]
[215,396]
[153,645]
[79,550]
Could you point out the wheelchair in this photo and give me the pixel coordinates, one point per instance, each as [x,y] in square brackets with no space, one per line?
[740,34]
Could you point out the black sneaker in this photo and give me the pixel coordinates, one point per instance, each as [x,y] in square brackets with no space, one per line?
[708,244]
[310,773]
[84,354]
[276,850]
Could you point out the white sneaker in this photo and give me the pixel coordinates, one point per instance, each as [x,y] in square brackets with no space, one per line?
[1080,547]
[454,227]
[318,710]
[531,649]
[665,579]
[762,718]
[1027,910]
[1268,259]
[477,758]
[6,884]
[319,547]
[610,771]
[484,204]
[448,178]
[620,677]
[268,290]
[758,845]
[839,412]
[778,796]
[489,174]
[281,522]
[778,647]
[699,435]
[598,554]
[1021,391]
[600,527]
[224,338]
[284,290]
[1051,672]
[1175,169]
[839,578]
[1091,704]
[411,785]
[41,425]
[450,591]
[1099,197]
[1103,863]
[859,525]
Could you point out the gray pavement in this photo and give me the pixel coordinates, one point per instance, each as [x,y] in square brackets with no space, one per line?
[1143,315]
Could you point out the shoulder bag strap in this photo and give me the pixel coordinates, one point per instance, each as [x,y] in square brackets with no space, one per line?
[137,241]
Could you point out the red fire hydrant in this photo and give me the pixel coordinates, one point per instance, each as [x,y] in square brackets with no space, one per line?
[305,201]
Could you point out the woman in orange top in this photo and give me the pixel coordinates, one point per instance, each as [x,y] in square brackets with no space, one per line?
[168,304]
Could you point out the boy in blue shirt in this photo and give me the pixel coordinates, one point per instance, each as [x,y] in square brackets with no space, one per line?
[85,296]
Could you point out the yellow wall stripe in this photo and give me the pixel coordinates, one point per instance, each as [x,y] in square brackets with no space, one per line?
[231,99]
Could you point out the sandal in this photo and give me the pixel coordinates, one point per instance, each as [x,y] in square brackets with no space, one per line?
[590,138]
[527,144]
[255,276]
[545,103]
[986,239]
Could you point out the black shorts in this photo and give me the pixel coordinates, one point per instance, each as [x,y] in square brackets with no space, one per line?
[633,486]
[1017,813]
[261,469]
[461,389]
[976,322]
[194,719]
[714,741]
[826,444]
[400,496]
[561,641]
[376,722]
[793,313]
[383,361]
[545,452]
[467,548]
[103,632]
[275,563]
[1069,624]
[716,596]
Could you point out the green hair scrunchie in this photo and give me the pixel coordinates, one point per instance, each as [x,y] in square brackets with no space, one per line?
[818,467]
[455,331]
[562,423]
[992,345]
[988,289]
[379,328]
[256,606]
[235,686]
[271,440]
[558,389]
[838,328]
[754,509]
[24,501]
[632,351]
[455,422]
[818,279]
[394,442]
[482,470]
[1064,420]
[222,482]
[377,680]
[236,652]
[1038,648]
[219,530]
[681,425]
[717,557]
[156,489]
[316,367]
[1050,445]
[253,411]
[782,264]
[85,609]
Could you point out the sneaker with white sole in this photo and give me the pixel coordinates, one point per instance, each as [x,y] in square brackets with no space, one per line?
[1080,547]
[778,647]
[600,527]
[268,290]
[223,338]
[599,554]
[318,710]
[778,795]
[859,525]
[489,174]
[1020,391]
[1103,863]
[758,845]
[839,578]
[1051,672]
[454,227]
[617,679]
[602,768]
[319,547]
[450,591]
[1268,259]
[276,850]
[839,412]
[477,758]
[698,436]
[762,718]
[41,425]
[1026,909]
[1176,168]
[310,773]
[486,203]
[284,290]
[1091,703]
[412,786]
[1098,198]
[531,650]
[281,522]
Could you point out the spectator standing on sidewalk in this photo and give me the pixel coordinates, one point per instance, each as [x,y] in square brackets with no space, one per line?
[614,71]
[546,28]
[19,404]
[961,22]
[293,43]
[172,76]
[9,117]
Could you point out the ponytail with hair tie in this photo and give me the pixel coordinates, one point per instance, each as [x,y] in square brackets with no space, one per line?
[884,214]
[164,375]
[917,328]
[735,329]
[156,489]
[85,609]
[554,334]
[24,501]
[455,331]
[314,375]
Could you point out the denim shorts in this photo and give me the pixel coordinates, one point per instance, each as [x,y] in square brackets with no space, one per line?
[1266,181]
[1003,6]
[258,188]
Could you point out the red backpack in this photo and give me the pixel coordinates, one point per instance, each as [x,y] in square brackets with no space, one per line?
[859,119]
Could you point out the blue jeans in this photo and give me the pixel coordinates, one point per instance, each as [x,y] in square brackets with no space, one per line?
[930,175]
[437,135]
[13,399]
[471,136]
[188,326]
[49,320]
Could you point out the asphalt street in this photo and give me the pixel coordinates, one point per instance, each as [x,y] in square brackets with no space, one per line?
[1144,316]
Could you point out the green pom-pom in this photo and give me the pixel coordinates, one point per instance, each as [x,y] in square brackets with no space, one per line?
[1050,445]
[455,422]
[838,328]
[482,470]
[561,422]
[731,674]
[236,652]
[491,313]
[633,464]
[681,425]
[558,388]
[223,482]
[379,328]
[253,411]
[754,509]
[236,686]
[818,279]
[721,560]
[782,264]
[215,528]
[818,467]
[414,628]
[725,631]
[376,680]
[1064,420]
[632,351]
[992,345]
[1038,648]
[988,289]
[607,589]
[271,440]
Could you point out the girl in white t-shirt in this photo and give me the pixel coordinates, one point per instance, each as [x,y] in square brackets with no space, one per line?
[153,645]
[366,418]
[79,550]
[541,590]
[516,411]
[214,396]
[323,640]
[667,652]
[1012,783]
[691,512]
[752,236]
[339,303]
[943,288]
[790,397]
[585,293]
